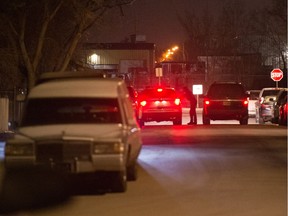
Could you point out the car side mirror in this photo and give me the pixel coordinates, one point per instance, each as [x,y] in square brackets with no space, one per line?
[31,188]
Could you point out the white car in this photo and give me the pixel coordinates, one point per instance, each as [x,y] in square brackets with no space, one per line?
[264,105]
[253,98]
[80,126]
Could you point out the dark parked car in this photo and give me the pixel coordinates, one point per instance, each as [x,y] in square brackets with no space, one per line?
[278,114]
[159,104]
[225,101]
[282,120]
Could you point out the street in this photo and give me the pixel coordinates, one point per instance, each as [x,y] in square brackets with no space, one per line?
[224,169]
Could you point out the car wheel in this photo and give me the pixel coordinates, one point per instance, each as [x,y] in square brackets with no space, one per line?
[244,121]
[282,120]
[206,120]
[119,182]
[132,173]
[178,121]
[275,120]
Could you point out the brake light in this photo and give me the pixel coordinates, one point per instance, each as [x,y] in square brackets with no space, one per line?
[159,89]
[143,103]
[177,101]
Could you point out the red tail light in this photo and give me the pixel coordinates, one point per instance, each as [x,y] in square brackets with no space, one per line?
[177,101]
[159,89]
[245,102]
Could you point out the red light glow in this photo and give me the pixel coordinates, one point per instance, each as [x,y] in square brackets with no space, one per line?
[207,102]
[159,90]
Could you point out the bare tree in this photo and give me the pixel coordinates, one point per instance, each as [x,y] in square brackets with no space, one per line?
[199,31]
[44,34]
[275,23]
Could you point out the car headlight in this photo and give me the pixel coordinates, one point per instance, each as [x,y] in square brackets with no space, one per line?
[108,148]
[24,149]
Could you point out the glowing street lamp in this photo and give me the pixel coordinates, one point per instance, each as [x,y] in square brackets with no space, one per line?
[169,53]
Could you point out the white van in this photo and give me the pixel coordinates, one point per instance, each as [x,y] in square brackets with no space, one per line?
[79,125]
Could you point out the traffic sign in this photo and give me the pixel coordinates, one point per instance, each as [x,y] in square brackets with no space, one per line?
[276,74]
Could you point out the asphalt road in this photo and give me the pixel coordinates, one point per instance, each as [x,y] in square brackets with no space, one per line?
[216,170]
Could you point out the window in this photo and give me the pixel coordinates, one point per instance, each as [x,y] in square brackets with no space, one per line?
[47,111]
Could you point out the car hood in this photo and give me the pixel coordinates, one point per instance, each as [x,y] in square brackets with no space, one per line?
[87,132]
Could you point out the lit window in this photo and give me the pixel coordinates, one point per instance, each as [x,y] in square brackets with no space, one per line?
[94,59]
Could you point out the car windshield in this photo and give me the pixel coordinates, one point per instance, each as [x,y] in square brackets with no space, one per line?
[47,111]
[226,91]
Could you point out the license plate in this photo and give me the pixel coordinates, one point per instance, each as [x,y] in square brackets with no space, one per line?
[226,103]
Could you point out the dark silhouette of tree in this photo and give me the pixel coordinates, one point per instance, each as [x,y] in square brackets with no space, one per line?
[42,35]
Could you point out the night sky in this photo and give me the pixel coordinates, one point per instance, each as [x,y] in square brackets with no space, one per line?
[157,20]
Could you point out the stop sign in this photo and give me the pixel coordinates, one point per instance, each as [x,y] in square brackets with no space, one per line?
[276,74]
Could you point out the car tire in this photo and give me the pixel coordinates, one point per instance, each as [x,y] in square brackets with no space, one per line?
[282,120]
[178,121]
[244,121]
[132,173]
[119,182]
[206,120]
[275,120]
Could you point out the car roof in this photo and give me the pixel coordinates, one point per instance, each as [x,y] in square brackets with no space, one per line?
[51,76]
[229,82]
[79,87]
[272,88]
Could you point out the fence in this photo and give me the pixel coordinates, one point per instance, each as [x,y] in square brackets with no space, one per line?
[11,108]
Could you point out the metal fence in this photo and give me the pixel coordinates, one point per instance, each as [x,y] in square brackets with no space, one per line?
[11,108]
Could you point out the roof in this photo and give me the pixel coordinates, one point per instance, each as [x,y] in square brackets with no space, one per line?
[80,87]
[119,46]
[48,76]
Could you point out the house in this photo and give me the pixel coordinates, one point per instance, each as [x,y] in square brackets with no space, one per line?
[134,62]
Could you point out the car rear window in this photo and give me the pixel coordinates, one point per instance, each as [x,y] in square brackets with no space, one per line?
[222,91]
[270,92]
[47,111]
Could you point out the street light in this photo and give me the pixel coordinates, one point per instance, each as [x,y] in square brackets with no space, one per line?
[168,54]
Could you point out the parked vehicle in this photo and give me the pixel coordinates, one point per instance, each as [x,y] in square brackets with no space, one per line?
[133,94]
[225,101]
[282,119]
[80,126]
[281,100]
[264,106]
[159,104]
[253,98]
